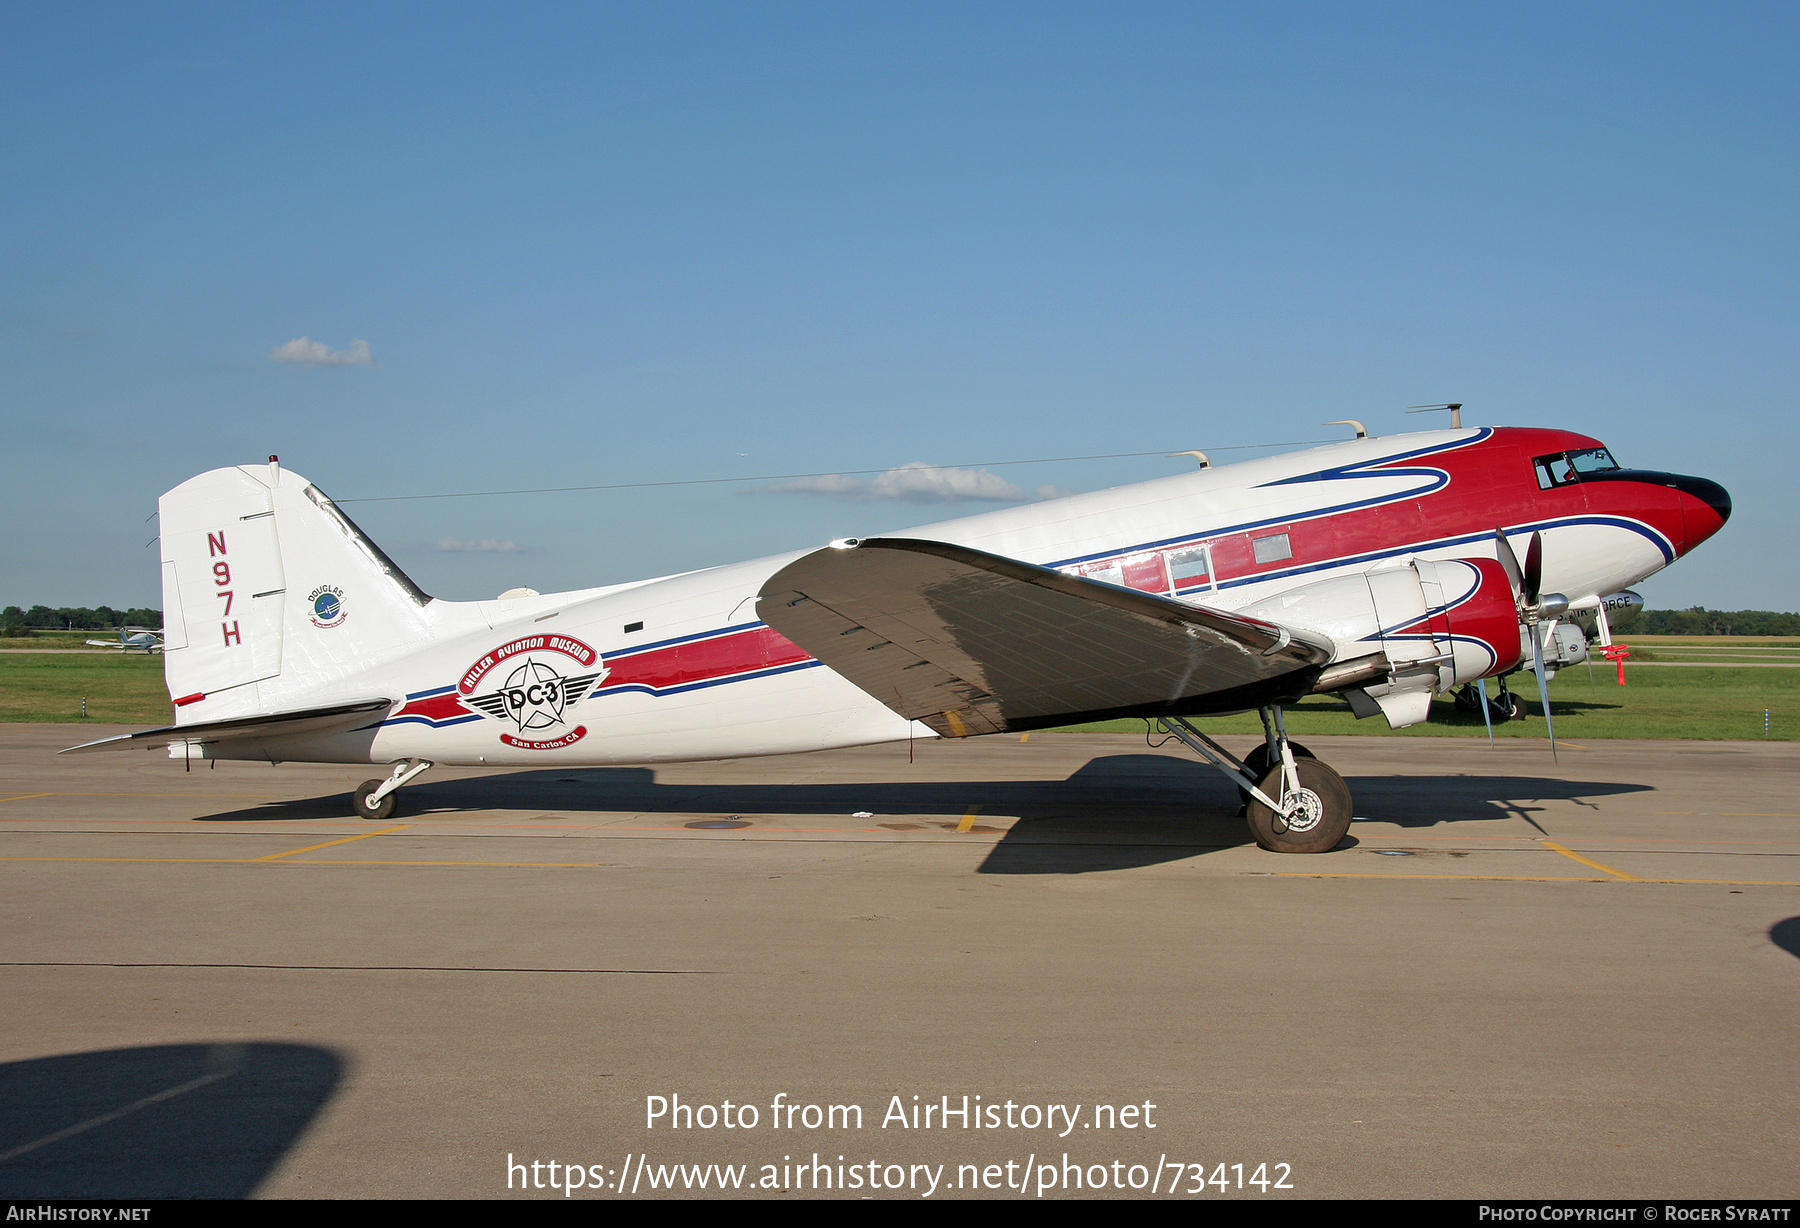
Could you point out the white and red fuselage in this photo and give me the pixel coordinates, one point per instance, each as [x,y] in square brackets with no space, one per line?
[680,668]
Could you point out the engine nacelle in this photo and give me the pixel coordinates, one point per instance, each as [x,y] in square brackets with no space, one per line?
[1407,630]
[1621,607]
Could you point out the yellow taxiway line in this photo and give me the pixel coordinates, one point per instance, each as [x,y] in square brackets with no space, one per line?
[329,843]
[968,819]
[1589,861]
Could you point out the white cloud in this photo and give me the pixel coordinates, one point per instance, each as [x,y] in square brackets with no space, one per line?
[306,351]
[480,547]
[913,483]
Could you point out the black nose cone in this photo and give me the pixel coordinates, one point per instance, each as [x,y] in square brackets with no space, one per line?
[1708,492]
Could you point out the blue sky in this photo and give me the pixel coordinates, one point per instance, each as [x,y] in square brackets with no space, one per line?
[605,244]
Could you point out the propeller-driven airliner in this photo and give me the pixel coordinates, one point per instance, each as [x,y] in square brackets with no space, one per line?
[1386,570]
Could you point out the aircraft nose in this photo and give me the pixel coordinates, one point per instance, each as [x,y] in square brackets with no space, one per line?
[1705,507]
[1708,492]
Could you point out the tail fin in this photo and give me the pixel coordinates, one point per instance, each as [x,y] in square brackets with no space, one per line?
[269,590]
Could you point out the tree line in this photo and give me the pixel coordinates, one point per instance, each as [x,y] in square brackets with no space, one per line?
[1698,620]
[15,621]
[1701,621]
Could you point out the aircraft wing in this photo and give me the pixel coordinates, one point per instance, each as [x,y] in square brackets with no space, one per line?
[309,721]
[970,642]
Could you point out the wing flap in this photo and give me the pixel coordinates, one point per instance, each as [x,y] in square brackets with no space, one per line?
[307,721]
[970,642]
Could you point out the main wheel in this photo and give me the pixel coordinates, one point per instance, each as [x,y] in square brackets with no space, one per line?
[1310,821]
[377,810]
[1513,706]
[1258,762]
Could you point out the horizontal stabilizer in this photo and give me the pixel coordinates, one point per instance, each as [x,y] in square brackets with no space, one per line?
[307,722]
[970,642]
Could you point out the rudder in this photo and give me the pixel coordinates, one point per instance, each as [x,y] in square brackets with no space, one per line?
[270,591]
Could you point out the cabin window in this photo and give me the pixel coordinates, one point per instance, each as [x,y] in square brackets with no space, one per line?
[1190,565]
[1272,549]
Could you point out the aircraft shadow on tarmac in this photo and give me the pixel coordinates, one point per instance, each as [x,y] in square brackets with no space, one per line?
[161,1121]
[1115,812]
[1786,935]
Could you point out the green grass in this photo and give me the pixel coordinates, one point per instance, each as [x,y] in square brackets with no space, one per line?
[58,639]
[1657,702]
[121,689]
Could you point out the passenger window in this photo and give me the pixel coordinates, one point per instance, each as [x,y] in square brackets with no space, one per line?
[1190,565]
[1272,549]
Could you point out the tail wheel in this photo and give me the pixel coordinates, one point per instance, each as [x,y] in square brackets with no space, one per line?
[1312,820]
[374,810]
[1258,762]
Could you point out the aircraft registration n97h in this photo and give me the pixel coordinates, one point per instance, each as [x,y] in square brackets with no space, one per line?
[1382,569]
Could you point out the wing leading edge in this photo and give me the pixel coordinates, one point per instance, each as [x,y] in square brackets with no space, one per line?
[970,642]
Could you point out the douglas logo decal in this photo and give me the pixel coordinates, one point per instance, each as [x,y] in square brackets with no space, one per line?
[327,606]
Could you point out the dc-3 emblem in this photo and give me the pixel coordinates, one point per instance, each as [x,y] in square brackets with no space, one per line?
[535,696]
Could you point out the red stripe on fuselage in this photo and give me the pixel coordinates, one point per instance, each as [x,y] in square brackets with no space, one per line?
[435,708]
[1492,483]
[706,660]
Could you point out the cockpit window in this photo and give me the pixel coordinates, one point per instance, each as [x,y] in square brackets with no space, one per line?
[1566,467]
[1592,461]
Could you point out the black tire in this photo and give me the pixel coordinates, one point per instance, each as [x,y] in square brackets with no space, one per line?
[1258,762]
[380,810]
[1514,707]
[1328,821]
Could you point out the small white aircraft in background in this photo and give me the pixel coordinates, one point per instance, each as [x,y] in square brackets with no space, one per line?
[1381,569]
[140,639]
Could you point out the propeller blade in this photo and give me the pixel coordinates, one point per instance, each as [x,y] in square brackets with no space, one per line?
[1509,562]
[1534,569]
[1537,666]
[1487,717]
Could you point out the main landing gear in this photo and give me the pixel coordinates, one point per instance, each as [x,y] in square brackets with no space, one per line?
[374,799]
[1506,706]
[1294,803]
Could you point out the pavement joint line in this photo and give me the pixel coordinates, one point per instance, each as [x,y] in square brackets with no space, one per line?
[23,796]
[1733,814]
[329,843]
[1588,861]
[252,861]
[104,963]
[1524,878]
[510,865]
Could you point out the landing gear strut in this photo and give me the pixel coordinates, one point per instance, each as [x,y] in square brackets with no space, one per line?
[1294,803]
[375,799]
[1506,706]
